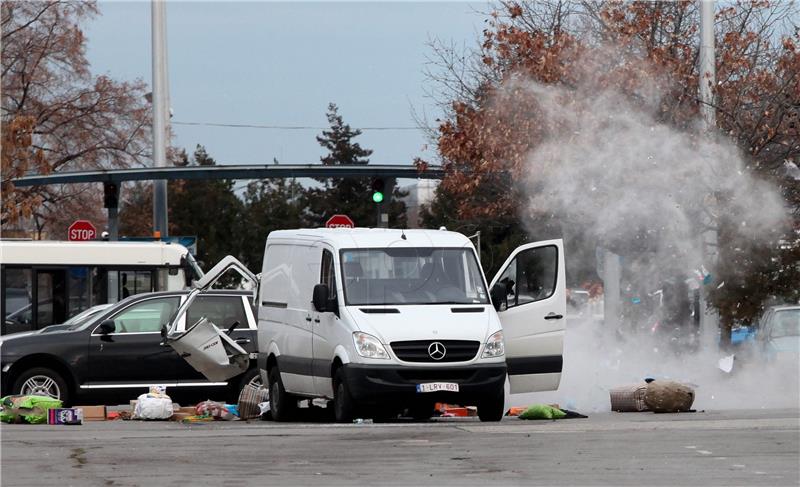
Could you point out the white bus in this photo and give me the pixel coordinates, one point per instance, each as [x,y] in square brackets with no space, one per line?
[47,282]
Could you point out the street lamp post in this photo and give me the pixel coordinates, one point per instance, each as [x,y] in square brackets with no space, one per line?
[707,76]
[160,114]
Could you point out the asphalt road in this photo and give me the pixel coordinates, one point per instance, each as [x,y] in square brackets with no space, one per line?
[705,448]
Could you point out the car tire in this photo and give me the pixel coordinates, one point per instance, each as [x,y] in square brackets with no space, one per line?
[492,407]
[344,406]
[43,381]
[282,405]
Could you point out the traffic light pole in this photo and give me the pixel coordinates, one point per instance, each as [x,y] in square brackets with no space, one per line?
[111,202]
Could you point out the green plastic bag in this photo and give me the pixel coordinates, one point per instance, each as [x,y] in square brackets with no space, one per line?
[542,411]
[26,409]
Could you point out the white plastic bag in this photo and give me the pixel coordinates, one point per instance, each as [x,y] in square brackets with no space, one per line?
[151,407]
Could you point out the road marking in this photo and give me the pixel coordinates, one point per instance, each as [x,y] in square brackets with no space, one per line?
[691,447]
[759,472]
[737,465]
[704,452]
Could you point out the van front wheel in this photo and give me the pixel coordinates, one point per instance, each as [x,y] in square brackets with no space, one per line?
[282,405]
[344,406]
[492,407]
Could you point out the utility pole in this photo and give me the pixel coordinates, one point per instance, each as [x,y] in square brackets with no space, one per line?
[707,71]
[160,114]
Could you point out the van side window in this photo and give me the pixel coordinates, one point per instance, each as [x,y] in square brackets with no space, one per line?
[531,276]
[328,273]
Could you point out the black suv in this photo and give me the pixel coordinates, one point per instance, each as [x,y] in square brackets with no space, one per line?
[85,359]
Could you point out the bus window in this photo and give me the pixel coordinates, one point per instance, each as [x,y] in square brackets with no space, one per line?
[18,284]
[134,282]
[100,286]
[51,286]
[78,290]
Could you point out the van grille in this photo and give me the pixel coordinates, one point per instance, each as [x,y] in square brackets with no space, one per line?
[417,350]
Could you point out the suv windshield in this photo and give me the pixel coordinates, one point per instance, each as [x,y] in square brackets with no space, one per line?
[421,275]
[787,323]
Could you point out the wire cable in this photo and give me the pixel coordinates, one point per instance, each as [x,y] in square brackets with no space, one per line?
[282,127]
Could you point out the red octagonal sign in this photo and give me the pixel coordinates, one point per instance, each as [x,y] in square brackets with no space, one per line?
[81,230]
[339,221]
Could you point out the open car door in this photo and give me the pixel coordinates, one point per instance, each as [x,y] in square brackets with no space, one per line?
[529,294]
[203,345]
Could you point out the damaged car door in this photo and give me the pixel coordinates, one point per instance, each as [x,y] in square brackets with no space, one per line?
[207,348]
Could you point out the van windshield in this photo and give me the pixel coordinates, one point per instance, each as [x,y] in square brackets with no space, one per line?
[412,276]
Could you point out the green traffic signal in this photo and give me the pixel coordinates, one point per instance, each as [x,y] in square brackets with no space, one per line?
[377,196]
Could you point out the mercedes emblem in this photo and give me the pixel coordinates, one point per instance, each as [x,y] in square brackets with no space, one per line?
[437,350]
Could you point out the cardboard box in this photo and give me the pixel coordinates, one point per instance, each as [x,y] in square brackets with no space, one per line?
[64,416]
[93,413]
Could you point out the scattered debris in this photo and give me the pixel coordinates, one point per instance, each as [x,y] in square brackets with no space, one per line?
[250,399]
[217,410]
[93,413]
[27,409]
[666,396]
[155,404]
[726,363]
[454,410]
[630,398]
[64,416]
[548,411]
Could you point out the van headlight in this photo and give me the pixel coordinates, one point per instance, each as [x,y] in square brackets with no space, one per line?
[368,346]
[494,346]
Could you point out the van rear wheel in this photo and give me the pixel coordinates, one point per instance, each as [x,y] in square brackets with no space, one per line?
[344,406]
[282,405]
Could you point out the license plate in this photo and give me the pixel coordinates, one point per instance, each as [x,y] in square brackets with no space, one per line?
[438,386]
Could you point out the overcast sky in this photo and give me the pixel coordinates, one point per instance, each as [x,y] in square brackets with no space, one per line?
[266,63]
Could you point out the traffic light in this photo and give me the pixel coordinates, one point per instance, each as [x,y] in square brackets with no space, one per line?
[378,186]
[110,195]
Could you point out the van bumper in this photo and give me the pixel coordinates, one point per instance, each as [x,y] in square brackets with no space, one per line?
[382,383]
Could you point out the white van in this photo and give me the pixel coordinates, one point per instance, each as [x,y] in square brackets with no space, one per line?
[382,320]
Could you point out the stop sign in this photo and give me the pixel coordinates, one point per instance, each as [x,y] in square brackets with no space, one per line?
[81,230]
[339,221]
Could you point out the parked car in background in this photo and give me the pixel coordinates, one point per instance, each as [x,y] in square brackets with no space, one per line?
[79,318]
[120,349]
[778,336]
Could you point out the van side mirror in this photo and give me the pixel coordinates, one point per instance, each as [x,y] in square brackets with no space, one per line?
[499,296]
[320,298]
[107,327]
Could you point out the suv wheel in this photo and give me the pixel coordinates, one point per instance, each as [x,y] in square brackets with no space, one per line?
[41,381]
[282,405]
[344,407]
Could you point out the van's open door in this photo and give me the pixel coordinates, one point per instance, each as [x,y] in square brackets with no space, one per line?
[205,347]
[529,294]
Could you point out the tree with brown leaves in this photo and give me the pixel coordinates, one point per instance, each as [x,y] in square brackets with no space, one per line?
[72,120]
[602,98]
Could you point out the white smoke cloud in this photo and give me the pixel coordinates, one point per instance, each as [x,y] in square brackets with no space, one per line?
[609,166]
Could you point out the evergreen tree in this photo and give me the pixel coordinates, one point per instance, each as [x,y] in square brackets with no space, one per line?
[350,196]
[270,204]
[209,209]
